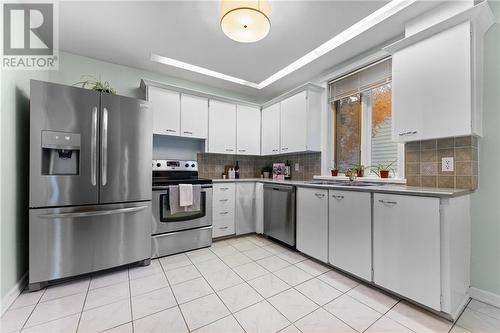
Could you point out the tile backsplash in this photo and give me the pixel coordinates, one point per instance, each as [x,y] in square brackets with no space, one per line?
[212,165]
[424,168]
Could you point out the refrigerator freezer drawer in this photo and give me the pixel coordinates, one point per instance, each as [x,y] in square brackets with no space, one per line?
[70,241]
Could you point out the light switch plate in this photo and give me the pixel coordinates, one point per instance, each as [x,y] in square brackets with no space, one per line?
[296,166]
[447,164]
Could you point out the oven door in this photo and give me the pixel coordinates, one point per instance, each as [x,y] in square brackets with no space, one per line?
[164,221]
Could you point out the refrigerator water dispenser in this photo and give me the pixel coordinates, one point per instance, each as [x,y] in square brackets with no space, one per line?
[60,153]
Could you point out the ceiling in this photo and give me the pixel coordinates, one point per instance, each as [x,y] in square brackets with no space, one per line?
[128,32]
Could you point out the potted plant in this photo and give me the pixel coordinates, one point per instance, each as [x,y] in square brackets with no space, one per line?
[358,170]
[91,82]
[266,171]
[383,170]
[334,170]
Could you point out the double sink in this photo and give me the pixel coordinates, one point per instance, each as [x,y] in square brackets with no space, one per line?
[341,183]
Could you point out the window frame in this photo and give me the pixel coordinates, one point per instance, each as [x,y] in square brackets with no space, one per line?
[366,137]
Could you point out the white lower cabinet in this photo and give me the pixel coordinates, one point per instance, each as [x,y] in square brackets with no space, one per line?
[350,232]
[245,208]
[312,222]
[407,247]
[223,210]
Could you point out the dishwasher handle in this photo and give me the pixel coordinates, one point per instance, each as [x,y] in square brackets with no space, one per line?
[282,188]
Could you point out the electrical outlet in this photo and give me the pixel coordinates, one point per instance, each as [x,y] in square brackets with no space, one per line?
[297,167]
[447,164]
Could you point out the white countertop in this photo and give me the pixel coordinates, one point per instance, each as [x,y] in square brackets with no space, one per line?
[382,188]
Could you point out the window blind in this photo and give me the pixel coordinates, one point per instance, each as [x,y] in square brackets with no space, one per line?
[361,80]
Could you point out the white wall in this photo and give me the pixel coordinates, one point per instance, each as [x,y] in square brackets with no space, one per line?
[14,145]
[485,260]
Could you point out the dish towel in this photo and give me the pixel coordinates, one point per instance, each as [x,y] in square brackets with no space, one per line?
[174,200]
[185,195]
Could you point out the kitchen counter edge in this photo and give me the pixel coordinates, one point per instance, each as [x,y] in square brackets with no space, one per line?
[383,188]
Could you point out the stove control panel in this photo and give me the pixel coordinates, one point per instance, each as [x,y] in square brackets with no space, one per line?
[179,165]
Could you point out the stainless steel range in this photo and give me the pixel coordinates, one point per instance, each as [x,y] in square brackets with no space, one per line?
[184,230]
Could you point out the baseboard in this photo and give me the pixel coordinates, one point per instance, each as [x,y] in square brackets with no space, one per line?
[11,296]
[485,296]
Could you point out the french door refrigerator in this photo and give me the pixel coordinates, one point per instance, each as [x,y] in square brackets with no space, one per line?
[90,182]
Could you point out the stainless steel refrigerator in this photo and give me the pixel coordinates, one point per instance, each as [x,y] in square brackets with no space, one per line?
[90,182]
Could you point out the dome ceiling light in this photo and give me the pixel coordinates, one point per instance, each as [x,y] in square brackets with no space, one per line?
[245,21]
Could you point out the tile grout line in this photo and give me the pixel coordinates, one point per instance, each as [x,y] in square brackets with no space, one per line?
[230,312]
[31,312]
[83,306]
[173,294]
[130,300]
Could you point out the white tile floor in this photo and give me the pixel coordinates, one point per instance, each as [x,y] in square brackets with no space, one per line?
[246,284]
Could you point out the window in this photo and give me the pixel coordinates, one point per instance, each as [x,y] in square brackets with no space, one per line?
[361,106]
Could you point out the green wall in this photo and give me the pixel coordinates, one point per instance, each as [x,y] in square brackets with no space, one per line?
[14,136]
[485,259]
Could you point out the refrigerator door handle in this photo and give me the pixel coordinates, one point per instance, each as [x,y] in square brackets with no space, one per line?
[93,148]
[104,148]
[93,213]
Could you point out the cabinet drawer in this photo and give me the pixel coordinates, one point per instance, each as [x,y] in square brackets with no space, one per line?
[226,203]
[223,212]
[223,226]
[223,191]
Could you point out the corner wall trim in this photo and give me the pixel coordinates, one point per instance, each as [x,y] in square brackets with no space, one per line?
[11,296]
[484,296]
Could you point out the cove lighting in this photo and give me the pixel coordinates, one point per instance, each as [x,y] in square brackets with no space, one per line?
[353,31]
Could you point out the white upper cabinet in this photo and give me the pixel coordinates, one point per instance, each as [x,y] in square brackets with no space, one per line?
[166,110]
[194,116]
[247,130]
[271,130]
[294,123]
[434,87]
[222,128]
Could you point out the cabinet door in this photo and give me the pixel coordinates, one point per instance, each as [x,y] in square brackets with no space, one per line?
[194,116]
[245,212]
[431,93]
[294,123]
[222,128]
[312,222]
[271,130]
[406,246]
[350,232]
[166,111]
[248,130]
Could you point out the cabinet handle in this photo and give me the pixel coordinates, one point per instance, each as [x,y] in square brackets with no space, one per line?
[170,130]
[188,132]
[242,150]
[223,200]
[387,202]
[275,149]
[224,228]
[340,197]
[319,195]
[224,188]
[224,213]
[285,148]
[407,133]
[229,149]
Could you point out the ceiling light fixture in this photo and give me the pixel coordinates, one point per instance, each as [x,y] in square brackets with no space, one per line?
[245,21]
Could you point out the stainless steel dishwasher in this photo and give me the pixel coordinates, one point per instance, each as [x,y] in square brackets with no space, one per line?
[279,212]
